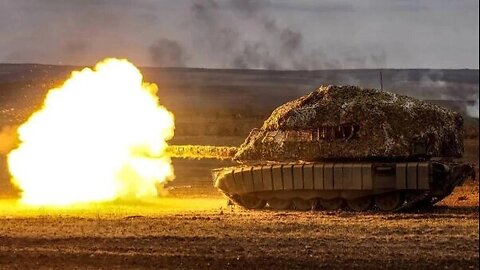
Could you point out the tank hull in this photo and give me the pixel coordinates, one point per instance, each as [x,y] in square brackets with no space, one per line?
[360,186]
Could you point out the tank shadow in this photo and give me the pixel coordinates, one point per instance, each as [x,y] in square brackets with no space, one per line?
[441,211]
[451,209]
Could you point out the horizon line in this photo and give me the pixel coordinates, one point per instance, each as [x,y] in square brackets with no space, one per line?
[250,69]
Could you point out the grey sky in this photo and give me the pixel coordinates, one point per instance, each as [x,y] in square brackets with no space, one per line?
[278,34]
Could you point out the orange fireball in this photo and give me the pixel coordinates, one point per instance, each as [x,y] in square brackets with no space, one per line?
[91,140]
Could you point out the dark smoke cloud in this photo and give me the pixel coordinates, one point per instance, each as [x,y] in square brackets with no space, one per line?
[279,34]
[168,53]
[434,85]
[248,8]
[433,82]
[274,47]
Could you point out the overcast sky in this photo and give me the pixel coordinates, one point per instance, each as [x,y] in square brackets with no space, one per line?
[275,34]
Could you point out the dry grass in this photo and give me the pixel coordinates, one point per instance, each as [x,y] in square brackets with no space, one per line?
[463,196]
[193,232]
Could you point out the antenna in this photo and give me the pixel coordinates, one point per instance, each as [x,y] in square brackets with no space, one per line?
[381,80]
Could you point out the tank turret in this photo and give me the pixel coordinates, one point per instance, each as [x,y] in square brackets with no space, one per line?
[347,122]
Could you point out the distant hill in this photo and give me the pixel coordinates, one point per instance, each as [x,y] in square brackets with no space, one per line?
[196,93]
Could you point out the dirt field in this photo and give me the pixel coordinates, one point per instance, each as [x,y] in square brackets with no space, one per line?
[200,232]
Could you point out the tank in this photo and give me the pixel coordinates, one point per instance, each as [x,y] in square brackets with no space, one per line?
[344,147]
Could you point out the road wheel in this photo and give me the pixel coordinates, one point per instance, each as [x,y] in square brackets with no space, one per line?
[279,204]
[251,202]
[302,205]
[389,201]
[332,204]
[360,204]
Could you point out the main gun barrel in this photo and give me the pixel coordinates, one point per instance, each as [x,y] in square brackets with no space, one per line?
[201,151]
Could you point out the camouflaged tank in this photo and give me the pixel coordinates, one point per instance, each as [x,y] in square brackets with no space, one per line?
[348,147]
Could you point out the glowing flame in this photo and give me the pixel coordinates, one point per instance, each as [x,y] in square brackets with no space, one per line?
[91,140]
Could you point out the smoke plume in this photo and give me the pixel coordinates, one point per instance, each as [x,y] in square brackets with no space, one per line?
[271,46]
[168,53]
[276,34]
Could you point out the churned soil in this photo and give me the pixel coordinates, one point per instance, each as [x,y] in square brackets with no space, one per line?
[186,231]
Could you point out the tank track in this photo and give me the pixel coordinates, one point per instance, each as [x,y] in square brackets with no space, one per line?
[389,187]
[416,202]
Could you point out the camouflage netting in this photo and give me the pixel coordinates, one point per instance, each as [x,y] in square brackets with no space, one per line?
[348,122]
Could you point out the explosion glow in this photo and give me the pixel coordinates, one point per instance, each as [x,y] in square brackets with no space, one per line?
[91,140]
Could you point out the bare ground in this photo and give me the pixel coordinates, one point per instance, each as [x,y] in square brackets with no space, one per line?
[199,232]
